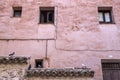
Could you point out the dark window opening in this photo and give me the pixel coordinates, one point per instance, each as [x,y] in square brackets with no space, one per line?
[105,15]
[17,11]
[39,63]
[47,15]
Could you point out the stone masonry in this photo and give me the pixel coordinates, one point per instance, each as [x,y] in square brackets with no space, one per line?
[16,68]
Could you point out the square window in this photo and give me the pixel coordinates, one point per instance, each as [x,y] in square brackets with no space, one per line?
[39,63]
[47,15]
[17,11]
[105,15]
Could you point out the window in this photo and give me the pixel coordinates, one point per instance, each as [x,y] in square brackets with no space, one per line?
[46,14]
[105,15]
[39,63]
[17,11]
[111,69]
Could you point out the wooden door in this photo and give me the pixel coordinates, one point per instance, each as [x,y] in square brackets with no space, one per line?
[111,71]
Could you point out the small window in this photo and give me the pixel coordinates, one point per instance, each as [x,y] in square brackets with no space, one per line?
[105,15]
[47,15]
[17,11]
[39,63]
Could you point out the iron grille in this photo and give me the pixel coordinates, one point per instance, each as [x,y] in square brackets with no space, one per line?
[111,66]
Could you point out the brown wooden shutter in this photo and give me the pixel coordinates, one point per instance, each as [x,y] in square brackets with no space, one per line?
[111,71]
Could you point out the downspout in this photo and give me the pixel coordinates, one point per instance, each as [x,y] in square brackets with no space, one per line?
[46,55]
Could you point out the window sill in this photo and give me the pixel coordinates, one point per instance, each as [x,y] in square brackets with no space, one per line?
[106,23]
[15,17]
[46,24]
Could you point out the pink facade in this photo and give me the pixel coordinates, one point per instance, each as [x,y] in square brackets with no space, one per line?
[75,38]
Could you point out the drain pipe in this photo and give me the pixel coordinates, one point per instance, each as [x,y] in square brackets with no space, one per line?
[46,53]
[46,59]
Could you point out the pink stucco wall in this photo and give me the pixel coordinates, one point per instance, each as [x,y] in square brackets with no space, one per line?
[76,38]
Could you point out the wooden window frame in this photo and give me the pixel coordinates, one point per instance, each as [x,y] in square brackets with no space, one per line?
[46,10]
[104,10]
[17,9]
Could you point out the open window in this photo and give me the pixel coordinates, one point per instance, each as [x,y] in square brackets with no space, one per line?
[39,63]
[17,11]
[47,15]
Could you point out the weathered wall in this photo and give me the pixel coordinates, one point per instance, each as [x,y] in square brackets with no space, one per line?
[18,72]
[80,30]
[13,68]
[76,38]
[12,72]
[76,24]
[18,68]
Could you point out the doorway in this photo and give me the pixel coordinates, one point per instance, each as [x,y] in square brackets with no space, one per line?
[111,69]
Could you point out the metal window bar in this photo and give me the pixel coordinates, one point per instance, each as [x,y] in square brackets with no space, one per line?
[111,66]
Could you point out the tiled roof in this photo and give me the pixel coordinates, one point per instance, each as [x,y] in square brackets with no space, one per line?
[13,60]
[66,72]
